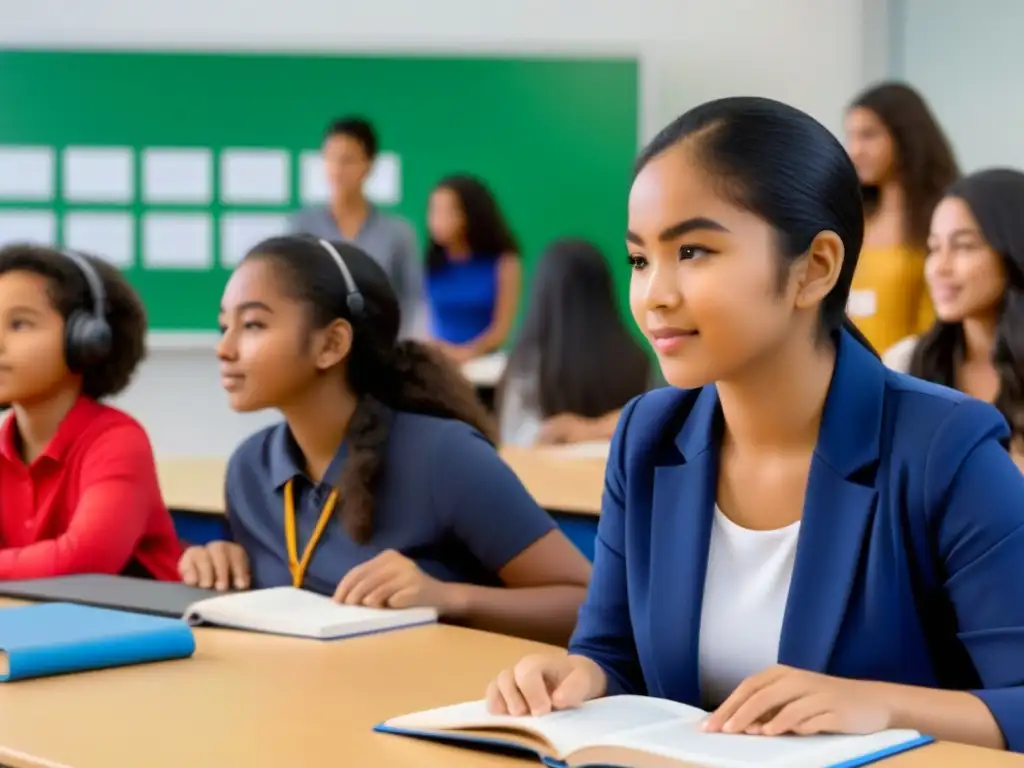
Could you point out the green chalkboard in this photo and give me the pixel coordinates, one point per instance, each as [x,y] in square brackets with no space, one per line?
[554,137]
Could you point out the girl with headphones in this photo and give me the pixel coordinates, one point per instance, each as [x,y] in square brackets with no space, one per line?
[78,482]
[382,486]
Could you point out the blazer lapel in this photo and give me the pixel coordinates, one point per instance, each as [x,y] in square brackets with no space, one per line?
[682,508]
[838,509]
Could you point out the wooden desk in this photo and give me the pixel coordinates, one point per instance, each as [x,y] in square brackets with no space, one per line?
[559,482]
[196,485]
[256,700]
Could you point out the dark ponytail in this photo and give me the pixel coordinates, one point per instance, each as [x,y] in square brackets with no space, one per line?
[408,377]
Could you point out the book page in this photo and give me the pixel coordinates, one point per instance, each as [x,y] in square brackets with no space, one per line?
[285,609]
[686,742]
[566,730]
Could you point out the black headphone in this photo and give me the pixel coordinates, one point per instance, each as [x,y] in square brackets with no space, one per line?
[353,298]
[87,335]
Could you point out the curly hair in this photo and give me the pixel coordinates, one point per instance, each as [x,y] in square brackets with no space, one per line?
[69,291]
[386,374]
[996,199]
[923,155]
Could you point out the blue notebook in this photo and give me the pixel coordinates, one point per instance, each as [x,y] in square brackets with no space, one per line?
[640,732]
[56,638]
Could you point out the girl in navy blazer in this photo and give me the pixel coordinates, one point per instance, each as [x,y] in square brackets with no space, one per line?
[796,538]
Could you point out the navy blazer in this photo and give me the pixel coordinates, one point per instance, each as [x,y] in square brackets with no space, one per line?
[910,558]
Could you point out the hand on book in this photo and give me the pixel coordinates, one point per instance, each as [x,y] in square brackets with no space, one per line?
[539,684]
[391,580]
[219,565]
[786,700]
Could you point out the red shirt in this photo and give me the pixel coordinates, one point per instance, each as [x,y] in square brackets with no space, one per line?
[90,503]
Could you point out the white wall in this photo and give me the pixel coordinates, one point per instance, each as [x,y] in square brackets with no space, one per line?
[811,53]
[968,61]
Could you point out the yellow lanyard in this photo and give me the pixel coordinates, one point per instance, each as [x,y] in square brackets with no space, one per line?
[296,566]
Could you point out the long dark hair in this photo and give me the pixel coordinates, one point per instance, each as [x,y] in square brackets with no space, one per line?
[785,167]
[996,199]
[923,155]
[487,233]
[573,350]
[386,374]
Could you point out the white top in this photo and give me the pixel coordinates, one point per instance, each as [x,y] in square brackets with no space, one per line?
[486,370]
[898,356]
[745,593]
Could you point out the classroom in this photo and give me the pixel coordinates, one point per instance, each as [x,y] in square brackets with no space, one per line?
[564,383]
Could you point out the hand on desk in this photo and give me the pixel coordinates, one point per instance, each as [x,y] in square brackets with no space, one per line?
[787,700]
[219,565]
[391,580]
[540,684]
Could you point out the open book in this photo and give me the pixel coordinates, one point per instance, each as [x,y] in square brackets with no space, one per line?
[642,732]
[290,611]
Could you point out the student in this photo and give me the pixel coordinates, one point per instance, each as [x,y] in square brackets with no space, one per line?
[574,364]
[904,163]
[349,151]
[799,539]
[381,462]
[78,484]
[975,272]
[473,269]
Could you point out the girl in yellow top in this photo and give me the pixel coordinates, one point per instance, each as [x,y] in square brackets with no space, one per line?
[905,164]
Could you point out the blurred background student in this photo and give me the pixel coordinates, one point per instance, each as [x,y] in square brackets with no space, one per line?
[574,364]
[975,272]
[905,163]
[349,149]
[473,269]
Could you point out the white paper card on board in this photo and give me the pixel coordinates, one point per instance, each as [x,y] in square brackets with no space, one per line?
[241,231]
[255,176]
[99,174]
[35,227]
[109,236]
[177,241]
[384,184]
[177,176]
[26,173]
[862,304]
[313,187]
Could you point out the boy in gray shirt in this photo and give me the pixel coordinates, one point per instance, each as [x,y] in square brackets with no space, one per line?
[349,149]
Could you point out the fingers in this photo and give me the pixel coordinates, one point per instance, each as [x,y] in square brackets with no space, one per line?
[530,679]
[791,717]
[350,579]
[572,691]
[495,700]
[187,567]
[508,688]
[764,703]
[239,565]
[717,720]
[218,557]
[203,566]
[370,582]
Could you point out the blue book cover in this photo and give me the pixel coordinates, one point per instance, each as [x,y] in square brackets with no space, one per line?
[57,638]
